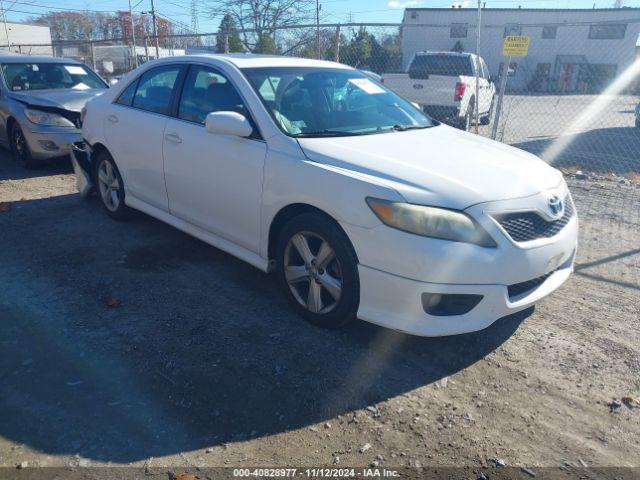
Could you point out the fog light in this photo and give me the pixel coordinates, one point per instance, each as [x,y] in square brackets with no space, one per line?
[48,145]
[445,305]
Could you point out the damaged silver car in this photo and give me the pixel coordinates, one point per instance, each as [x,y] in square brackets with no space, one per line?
[40,103]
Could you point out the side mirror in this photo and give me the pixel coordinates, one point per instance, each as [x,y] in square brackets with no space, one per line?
[113,81]
[228,123]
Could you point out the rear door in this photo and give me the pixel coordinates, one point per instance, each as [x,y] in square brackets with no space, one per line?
[134,127]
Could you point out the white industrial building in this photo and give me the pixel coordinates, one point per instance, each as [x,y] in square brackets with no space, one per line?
[36,38]
[571,50]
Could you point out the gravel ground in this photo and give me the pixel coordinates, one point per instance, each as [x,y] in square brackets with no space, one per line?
[134,343]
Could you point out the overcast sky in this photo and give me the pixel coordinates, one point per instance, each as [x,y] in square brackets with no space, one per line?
[333,11]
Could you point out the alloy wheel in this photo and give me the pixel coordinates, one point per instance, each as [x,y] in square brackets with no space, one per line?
[20,144]
[313,272]
[108,185]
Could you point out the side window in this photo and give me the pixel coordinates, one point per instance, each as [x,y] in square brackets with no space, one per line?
[155,88]
[206,91]
[485,69]
[126,97]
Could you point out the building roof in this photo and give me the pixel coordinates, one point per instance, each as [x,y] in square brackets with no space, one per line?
[469,9]
[30,24]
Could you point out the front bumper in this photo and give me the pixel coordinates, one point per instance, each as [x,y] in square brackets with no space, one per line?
[395,302]
[51,142]
[81,161]
[394,280]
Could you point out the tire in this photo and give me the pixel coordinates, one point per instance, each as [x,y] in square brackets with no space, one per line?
[304,281]
[464,123]
[20,148]
[486,120]
[110,187]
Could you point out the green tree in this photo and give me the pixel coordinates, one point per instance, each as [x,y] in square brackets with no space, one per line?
[229,30]
[357,52]
[265,45]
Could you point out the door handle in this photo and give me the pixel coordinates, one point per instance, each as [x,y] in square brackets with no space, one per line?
[112,118]
[173,137]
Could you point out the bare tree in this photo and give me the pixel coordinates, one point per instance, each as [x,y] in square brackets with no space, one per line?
[260,19]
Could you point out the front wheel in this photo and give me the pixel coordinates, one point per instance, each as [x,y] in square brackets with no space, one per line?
[318,270]
[20,147]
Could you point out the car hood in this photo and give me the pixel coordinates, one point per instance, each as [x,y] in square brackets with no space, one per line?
[68,99]
[438,166]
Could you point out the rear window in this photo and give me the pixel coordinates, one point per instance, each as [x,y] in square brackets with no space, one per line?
[447,65]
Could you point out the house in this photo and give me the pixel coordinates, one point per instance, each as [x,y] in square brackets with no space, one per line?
[571,50]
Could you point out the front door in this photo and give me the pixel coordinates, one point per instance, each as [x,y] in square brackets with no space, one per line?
[213,181]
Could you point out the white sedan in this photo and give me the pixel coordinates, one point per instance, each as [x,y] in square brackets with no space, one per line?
[362,205]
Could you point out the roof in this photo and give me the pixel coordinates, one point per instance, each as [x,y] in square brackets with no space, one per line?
[248,60]
[594,10]
[18,58]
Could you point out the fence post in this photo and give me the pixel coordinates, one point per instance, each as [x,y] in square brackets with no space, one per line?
[337,52]
[503,87]
[477,99]
[226,42]
[20,49]
[93,55]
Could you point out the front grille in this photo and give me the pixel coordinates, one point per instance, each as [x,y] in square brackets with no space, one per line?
[526,226]
[520,288]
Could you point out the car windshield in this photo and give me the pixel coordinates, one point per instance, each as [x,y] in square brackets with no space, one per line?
[326,102]
[46,76]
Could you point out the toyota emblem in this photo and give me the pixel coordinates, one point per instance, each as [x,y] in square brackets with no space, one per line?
[556,206]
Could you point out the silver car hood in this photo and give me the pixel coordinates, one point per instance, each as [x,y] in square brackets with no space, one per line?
[67,99]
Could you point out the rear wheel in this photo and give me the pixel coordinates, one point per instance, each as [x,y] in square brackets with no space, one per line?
[464,123]
[486,120]
[110,186]
[317,270]
[20,148]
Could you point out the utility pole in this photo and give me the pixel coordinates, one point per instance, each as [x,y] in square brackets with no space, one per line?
[155,29]
[318,7]
[194,16]
[4,20]
[133,37]
[477,112]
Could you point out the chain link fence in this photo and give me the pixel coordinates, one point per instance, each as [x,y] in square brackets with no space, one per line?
[571,100]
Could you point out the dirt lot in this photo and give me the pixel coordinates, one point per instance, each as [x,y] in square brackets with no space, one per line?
[132,342]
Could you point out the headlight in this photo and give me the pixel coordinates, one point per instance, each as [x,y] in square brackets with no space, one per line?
[47,118]
[431,222]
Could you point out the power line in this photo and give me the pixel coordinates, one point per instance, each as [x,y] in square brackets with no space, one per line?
[53,7]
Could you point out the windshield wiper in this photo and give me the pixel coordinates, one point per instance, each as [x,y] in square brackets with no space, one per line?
[326,133]
[402,128]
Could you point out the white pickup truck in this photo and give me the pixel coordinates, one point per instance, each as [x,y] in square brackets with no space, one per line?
[444,85]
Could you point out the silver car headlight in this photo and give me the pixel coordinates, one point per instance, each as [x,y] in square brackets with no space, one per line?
[433,222]
[40,117]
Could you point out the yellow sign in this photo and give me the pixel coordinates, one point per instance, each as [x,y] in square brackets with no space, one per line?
[515,46]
